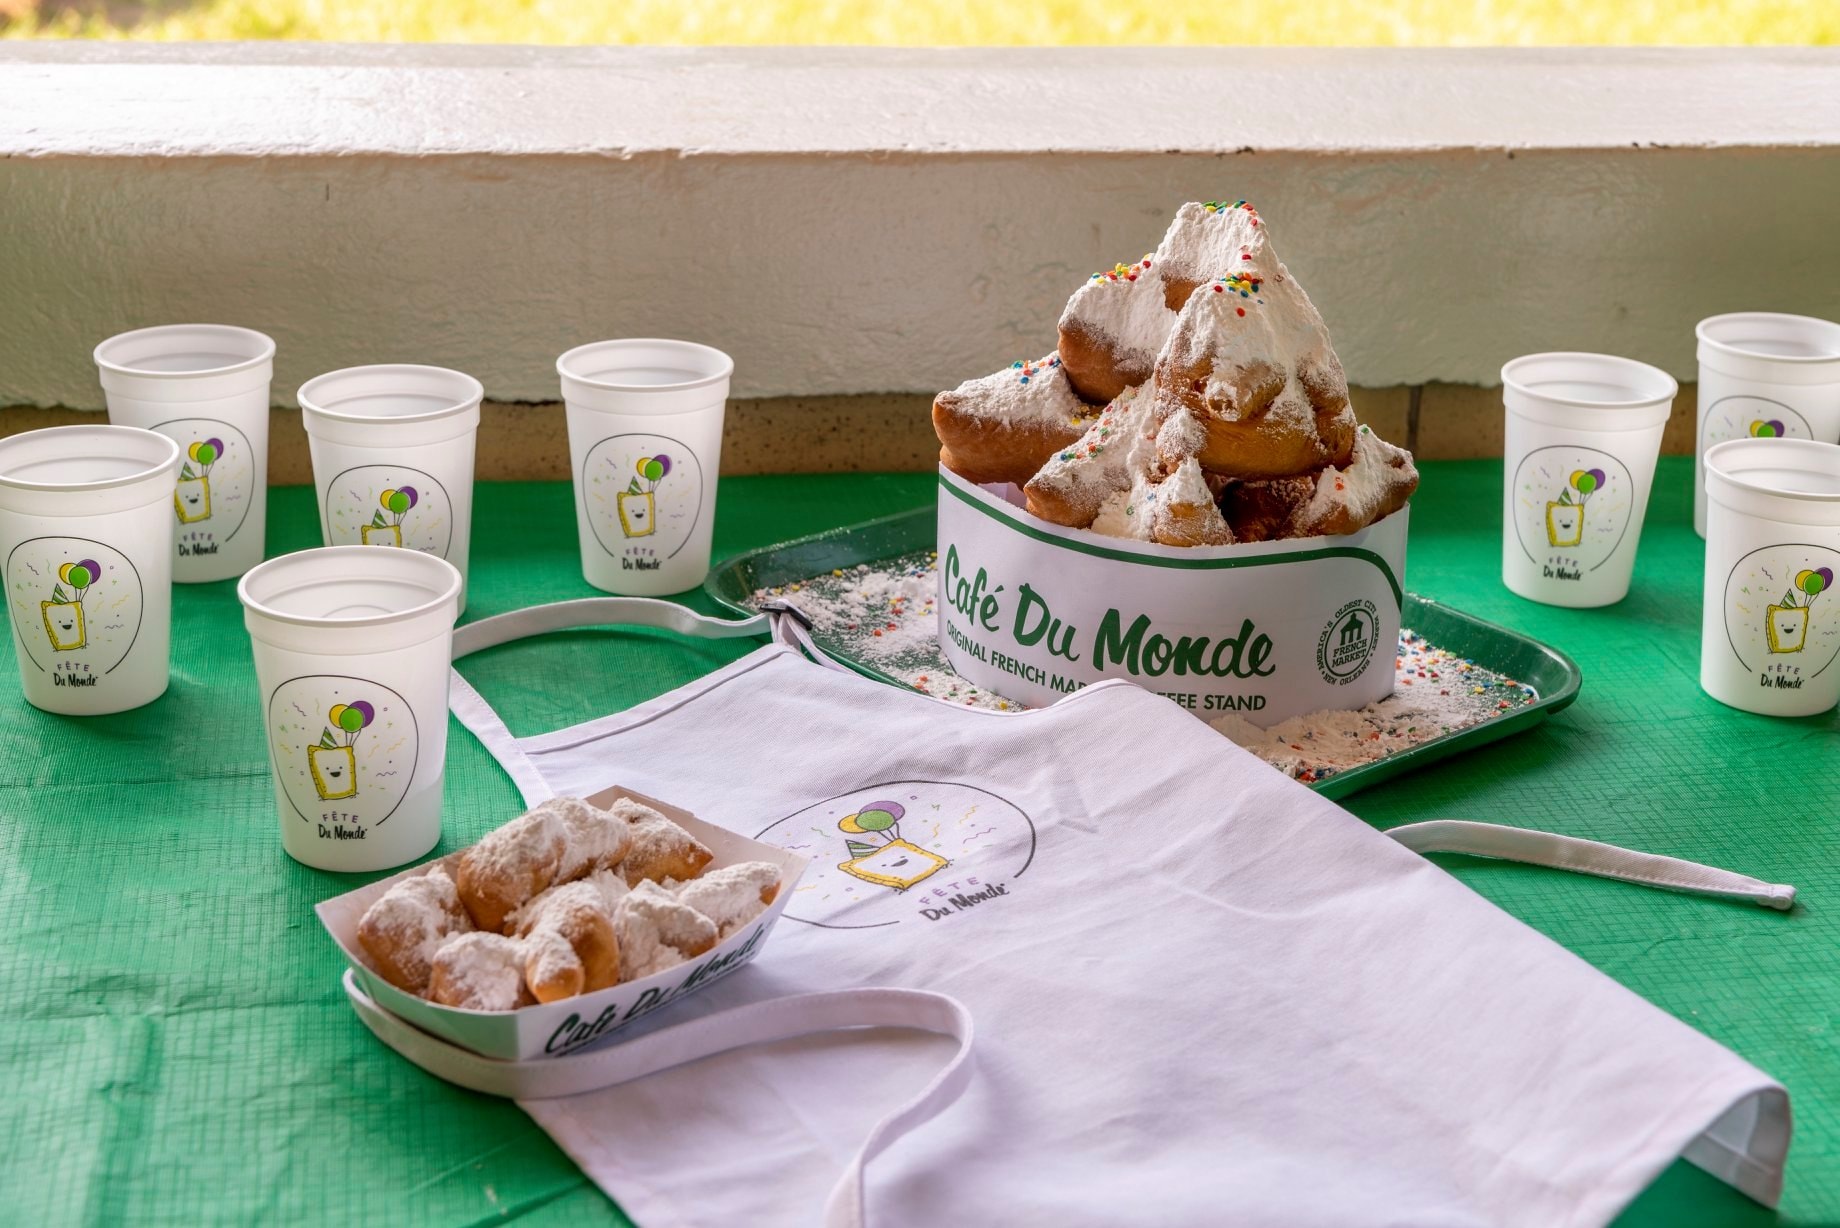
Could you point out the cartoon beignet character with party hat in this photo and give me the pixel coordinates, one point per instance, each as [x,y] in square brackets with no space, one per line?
[63,614]
[192,496]
[1786,622]
[334,762]
[639,504]
[385,528]
[1565,515]
[893,863]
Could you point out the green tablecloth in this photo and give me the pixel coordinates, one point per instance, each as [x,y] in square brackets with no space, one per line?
[177,1048]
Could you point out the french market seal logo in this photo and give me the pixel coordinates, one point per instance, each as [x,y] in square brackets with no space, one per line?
[1347,643]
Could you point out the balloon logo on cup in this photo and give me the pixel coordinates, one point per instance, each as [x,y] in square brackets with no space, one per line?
[638,505]
[1565,515]
[349,719]
[385,528]
[652,469]
[334,761]
[63,614]
[80,575]
[1785,623]
[398,502]
[192,496]
[1771,428]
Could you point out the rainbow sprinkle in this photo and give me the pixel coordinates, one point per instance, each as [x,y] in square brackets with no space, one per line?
[1243,284]
[1221,206]
[1027,369]
[1123,272]
[1092,443]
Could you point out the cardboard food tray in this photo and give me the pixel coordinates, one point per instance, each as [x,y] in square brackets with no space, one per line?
[554,1028]
[1552,675]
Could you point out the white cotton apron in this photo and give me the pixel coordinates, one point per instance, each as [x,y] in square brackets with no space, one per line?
[1201,994]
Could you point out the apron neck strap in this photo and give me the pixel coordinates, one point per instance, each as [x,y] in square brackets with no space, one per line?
[600,612]
[787,625]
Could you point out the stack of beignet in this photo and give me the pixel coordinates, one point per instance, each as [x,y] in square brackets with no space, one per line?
[1194,399]
[563,900]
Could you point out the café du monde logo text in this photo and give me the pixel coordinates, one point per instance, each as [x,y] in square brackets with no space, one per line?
[1133,644]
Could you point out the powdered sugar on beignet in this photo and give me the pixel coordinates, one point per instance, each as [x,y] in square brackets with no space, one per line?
[570,945]
[660,849]
[1112,328]
[1127,513]
[593,838]
[508,866]
[1250,358]
[1205,240]
[733,895]
[1001,427]
[1114,452]
[1377,482]
[405,926]
[656,931]
[480,972]
[1184,510]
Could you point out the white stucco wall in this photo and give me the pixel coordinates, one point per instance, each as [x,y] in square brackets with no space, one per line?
[853,221]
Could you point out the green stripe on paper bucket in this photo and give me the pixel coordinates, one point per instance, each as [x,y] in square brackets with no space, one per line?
[1180,564]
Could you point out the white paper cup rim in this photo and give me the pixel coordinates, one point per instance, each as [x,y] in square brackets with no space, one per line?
[1707,331]
[579,364]
[1521,375]
[1724,461]
[348,562]
[323,394]
[120,353]
[155,451]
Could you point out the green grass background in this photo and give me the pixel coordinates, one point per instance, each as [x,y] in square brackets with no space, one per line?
[1375,23]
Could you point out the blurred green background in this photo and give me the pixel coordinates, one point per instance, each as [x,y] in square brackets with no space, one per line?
[920,23]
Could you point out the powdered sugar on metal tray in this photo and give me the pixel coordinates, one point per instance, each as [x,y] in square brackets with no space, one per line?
[1435,692]
[884,616]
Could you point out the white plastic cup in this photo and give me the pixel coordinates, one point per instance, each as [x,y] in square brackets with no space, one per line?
[86,553]
[1770,635]
[352,650]
[645,446]
[1583,432]
[1763,374]
[205,386]
[392,450]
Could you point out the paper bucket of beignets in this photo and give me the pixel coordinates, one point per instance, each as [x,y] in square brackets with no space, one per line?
[1269,630]
[555,1028]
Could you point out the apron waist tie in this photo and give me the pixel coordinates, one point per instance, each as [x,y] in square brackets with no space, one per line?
[1544,848]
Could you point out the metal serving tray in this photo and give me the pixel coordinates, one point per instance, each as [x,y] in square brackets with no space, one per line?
[1551,674]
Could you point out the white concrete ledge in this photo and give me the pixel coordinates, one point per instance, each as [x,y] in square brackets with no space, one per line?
[305,98]
[849,221]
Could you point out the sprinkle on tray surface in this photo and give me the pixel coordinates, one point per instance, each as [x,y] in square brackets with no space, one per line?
[884,616]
